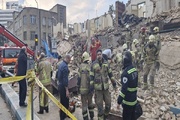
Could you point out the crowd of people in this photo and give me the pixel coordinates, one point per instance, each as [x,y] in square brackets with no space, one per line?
[138,56]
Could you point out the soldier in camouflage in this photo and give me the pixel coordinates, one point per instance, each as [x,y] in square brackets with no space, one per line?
[150,59]
[129,38]
[158,44]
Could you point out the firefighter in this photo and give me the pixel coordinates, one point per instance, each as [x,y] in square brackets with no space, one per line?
[143,37]
[44,70]
[93,50]
[137,52]
[84,87]
[128,93]
[150,58]
[129,38]
[100,71]
[158,44]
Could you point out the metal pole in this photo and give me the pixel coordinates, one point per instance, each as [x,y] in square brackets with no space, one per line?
[32,109]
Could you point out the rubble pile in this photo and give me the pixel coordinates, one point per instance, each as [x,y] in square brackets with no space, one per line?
[168,16]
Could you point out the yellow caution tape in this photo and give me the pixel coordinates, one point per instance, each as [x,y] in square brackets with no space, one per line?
[11,79]
[55,100]
[28,112]
[31,81]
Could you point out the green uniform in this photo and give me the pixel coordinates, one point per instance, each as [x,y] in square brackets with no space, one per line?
[150,58]
[99,79]
[44,70]
[84,89]
[129,40]
[143,37]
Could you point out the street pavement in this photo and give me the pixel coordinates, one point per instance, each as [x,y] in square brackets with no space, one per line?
[53,109]
[4,110]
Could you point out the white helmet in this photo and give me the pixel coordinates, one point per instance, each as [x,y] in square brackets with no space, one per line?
[152,38]
[124,46]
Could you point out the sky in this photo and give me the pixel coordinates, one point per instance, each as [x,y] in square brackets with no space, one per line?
[77,10]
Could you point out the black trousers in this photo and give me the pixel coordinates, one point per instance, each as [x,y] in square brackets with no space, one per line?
[64,101]
[128,112]
[22,91]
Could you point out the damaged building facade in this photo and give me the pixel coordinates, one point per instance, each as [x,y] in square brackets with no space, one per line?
[144,8]
[93,25]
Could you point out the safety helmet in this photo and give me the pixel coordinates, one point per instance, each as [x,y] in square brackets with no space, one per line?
[132,53]
[135,41]
[85,56]
[124,46]
[127,26]
[143,29]
[156,29]
[152,38]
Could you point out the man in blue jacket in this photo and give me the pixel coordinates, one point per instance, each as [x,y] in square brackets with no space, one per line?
[21,70]
[63,73]
[128,93]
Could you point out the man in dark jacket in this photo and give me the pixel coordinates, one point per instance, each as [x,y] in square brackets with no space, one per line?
[21,70]
[63,73]
[128,93]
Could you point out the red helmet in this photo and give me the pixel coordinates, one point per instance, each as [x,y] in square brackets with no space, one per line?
[143,29]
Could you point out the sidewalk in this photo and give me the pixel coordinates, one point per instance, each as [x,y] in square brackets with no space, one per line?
[5,113]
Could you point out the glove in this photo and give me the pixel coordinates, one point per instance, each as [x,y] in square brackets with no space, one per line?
[119,100]
[91,90]
[114,85]
[157,65]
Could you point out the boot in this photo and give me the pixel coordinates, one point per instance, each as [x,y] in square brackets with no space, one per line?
[41,111]
[105,117]
[46,109]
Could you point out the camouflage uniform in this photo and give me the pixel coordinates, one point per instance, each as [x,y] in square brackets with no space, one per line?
[44,70]
[84,88]
[99,80]
[129,40]
[150,58]
[158,45]
[143,37]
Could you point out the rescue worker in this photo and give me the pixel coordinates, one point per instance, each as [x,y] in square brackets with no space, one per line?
[158,44]
[137,52]
[98,44]
[93,50]
[128,37]
[143,37]
[150,58]
[44,71]
[100,71]
[84,88]
[128,93]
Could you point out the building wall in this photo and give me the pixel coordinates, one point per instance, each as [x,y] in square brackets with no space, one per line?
[61,10]
[23,27]
[161,6]
[120,8]
[5,16]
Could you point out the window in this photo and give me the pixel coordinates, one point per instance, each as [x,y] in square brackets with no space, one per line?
[33,19]
[32,35]
[20,23]
[44,21]
[49,22]
[24,19]
[25,35]
[11,52]
[44,36]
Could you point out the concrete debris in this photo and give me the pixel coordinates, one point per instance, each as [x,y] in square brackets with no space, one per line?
[167,16]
